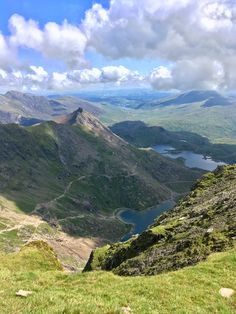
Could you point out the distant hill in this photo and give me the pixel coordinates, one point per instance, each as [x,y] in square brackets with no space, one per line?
[202,223]
[209,98]
[23,108]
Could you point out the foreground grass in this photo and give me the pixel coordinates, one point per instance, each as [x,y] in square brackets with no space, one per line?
[191,290]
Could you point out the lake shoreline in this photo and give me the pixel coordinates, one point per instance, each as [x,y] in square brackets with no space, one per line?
[190,158]
[139,220]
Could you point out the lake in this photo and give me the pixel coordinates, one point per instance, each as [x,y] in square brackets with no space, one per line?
[191,160]
[142,219]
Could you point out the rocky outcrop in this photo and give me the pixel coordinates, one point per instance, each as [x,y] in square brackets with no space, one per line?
[202,223]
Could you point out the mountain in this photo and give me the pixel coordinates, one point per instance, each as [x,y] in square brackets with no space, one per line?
[209,98]
[140,134]
[24,108]
[74,175]
[202,223]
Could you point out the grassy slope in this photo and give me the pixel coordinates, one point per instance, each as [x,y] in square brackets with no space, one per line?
[190,290]
[61,171]
[202,223]
[216,123]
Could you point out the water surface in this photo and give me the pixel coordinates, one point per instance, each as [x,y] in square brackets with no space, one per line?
[142,219]
[191,160]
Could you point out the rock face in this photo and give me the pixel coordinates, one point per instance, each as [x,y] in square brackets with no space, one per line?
[202,223]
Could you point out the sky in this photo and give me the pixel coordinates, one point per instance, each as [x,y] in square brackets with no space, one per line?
[72,45]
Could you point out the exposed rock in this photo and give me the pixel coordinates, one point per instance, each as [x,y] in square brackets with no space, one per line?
[172,243]
[226,292]
[126,310]
[23,293]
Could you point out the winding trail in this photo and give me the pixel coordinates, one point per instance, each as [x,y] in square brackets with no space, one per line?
[50,203]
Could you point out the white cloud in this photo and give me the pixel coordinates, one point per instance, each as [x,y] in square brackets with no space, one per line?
[38,74]
[25,33]
[109,74]
[7,53]
[86,76]
[63,42]
[119,74]
[192,35]
[37,78]
[58,81]
[200,73]
[196,37]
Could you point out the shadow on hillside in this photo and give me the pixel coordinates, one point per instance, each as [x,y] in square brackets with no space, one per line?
[142,135]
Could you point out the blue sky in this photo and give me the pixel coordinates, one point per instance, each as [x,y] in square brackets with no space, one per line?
[71,44]
[45,11]
[73,11]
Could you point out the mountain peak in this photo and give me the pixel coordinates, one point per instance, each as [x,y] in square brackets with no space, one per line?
[88,121]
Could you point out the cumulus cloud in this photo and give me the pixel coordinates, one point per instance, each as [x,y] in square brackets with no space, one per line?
[108,74]
[197,37]
[37,78]
[155,28]
[7,53]
[200,73]
[63,42]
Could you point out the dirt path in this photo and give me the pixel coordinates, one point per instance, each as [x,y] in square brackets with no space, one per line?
[50,203]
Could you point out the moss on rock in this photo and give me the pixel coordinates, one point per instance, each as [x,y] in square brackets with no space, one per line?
[202,223]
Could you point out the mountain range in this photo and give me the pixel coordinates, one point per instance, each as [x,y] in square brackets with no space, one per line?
[208,98]
[28,109]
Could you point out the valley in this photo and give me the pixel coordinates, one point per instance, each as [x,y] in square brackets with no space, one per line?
[73,175]
[215,122]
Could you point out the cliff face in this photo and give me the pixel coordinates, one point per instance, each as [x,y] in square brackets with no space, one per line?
[202,223]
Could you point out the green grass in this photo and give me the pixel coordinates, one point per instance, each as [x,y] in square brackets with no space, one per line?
[190,290]
[9,240]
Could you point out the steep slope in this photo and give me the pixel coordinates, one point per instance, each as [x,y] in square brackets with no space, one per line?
[76,173]
[190,290]
[23,108]
[202,223]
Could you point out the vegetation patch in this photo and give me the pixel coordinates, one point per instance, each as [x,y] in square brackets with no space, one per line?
[202,223]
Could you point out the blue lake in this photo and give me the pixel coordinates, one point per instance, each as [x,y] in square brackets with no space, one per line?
[191,159]
[142,219]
